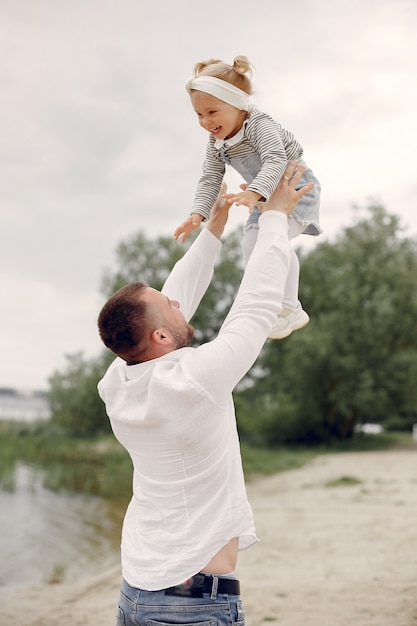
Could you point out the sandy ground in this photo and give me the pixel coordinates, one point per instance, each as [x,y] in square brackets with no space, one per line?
[330,555]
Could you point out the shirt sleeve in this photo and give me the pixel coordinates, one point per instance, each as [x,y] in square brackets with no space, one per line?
[192,274]
[219,365]
[276,146]
[208,186]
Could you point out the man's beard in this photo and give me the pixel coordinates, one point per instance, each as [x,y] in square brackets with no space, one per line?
[182,336]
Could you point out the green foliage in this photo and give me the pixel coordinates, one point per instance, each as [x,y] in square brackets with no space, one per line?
[344,481]
[400,423]
[141,259]
[265,461]
[73,399]
[100,466]
[96,466]
[355,362]
[357,359]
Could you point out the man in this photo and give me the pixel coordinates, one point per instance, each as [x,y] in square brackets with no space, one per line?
[171,407]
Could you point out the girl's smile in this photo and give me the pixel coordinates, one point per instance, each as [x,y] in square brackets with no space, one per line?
[217,117]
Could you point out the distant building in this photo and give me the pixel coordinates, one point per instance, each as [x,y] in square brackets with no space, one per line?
[22,405]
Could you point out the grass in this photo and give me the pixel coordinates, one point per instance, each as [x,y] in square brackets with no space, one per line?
[100,466]
[58,575]
[97,466]
[268,461]
[343,481]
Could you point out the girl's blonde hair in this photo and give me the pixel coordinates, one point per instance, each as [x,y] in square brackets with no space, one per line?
[238,74]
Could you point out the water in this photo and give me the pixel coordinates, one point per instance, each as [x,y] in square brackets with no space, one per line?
[23,407]
[43,533]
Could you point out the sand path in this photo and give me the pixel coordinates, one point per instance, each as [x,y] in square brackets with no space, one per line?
[330,555]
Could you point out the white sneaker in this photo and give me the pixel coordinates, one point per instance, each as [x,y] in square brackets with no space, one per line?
[289,320]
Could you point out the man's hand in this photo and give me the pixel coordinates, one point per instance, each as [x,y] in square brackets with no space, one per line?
[285,198]
[219,214]
[187,227]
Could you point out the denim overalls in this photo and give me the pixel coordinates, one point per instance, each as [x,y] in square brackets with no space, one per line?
[307,211]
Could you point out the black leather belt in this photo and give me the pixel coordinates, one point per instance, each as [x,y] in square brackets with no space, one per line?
[195,586]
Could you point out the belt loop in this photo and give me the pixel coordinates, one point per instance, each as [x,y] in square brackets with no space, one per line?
[214,587]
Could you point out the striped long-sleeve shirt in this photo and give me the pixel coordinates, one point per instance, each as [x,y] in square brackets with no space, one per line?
[260,152]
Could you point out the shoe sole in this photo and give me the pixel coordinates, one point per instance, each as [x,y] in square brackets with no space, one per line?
[290,330]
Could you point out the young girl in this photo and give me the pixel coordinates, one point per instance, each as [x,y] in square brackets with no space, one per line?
[257,147]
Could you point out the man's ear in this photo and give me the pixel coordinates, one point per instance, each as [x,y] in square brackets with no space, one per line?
[160,336]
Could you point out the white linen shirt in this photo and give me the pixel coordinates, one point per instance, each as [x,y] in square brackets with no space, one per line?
[175,416]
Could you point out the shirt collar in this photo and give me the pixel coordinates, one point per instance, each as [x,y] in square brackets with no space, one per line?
[232,141]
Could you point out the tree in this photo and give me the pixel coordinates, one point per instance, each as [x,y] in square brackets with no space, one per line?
[139,258]
[357,359]
[73,399]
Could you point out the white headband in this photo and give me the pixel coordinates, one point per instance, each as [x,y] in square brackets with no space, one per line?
[220,89]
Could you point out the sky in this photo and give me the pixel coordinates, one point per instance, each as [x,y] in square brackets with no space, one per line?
[99,139]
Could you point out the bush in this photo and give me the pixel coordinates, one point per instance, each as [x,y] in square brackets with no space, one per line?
[400,423]
[73,398]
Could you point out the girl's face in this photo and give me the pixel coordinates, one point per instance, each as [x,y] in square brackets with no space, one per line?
[220,119]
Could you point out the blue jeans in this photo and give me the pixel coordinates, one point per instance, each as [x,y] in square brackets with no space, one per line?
[138,607]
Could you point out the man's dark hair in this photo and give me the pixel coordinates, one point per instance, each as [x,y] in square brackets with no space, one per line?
[123,322]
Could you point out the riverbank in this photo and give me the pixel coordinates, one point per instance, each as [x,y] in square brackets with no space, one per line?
[337,547]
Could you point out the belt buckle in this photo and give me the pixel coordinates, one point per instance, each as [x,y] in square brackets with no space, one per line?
[191,588]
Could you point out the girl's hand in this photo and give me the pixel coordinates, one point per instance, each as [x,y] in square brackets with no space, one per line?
[245,198]
[187,227]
